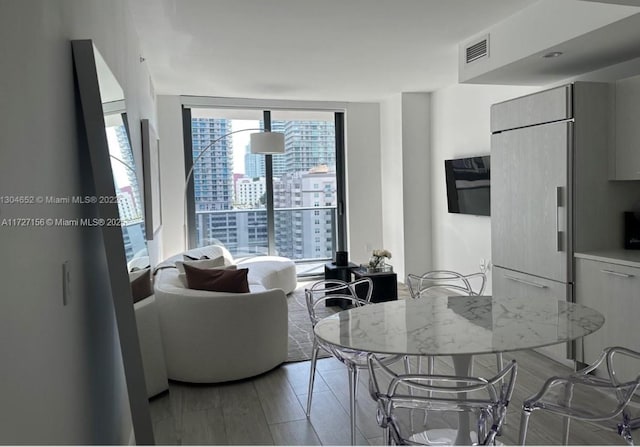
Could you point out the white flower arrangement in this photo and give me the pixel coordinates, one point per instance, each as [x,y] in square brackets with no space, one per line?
[378,258]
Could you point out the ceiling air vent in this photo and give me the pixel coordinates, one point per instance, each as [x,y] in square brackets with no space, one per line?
[478,50]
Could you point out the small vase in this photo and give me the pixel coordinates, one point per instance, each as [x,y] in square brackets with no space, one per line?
[376,264]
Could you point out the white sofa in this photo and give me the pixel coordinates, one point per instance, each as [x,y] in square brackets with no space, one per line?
[218,336]
[151,346]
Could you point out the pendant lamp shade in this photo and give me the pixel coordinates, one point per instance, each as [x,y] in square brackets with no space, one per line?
[267,143]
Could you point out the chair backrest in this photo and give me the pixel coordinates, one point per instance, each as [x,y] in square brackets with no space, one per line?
[356,293]
[584,396]
[405,393]
[613,392]
[611,356]
[440,282]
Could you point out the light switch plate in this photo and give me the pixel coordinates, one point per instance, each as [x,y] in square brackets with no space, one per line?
[66,282]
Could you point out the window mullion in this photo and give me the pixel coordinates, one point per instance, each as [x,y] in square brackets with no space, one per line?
[268,164]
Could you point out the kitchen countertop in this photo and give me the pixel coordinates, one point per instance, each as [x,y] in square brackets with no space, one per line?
[630,258]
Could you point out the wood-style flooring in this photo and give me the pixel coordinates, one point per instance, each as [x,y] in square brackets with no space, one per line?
[269,409]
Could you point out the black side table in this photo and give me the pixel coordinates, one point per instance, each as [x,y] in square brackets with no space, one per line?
[385,284]
[341,272]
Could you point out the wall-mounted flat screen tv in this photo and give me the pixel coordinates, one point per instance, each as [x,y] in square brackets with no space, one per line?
[469,185]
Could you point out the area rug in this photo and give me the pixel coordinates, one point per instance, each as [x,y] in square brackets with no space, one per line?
[300,332]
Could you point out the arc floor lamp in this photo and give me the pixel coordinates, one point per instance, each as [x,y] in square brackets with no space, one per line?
[261,142]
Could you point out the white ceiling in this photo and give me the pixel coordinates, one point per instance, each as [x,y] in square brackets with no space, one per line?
[602,47]
[333,50]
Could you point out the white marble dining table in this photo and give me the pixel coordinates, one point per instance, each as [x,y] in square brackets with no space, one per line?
[458,326]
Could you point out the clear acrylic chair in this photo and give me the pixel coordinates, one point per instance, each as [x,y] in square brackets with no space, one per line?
[585,397]
[447,282]
[428,409]
[316,296]
[438,282]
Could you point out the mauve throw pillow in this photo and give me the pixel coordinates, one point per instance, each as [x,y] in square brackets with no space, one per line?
[140,282]
[183,278]
[217,280]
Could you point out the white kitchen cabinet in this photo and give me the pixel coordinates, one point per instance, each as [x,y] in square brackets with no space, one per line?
[536,290]
[613,289]
[625,157]
[548,106]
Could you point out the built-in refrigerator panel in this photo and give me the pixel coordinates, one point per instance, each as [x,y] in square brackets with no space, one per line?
[512,283]
[551,105]
[530,200]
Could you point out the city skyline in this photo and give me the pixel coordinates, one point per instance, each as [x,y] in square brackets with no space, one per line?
[230,205]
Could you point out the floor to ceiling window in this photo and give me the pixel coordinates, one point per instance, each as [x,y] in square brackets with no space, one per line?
[284,204]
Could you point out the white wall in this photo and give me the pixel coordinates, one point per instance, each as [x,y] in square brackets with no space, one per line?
[364,207]
[61,379]
[392,180]
[460,128]
[416,194]
[171,174]
[406,195]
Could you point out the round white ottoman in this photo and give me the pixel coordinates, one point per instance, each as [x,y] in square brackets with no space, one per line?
[272,272]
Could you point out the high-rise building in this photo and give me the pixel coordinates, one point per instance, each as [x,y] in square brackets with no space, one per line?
[318,189]
[213,172]
[306,233]
[127,207]
[279,161]
[126,155]
[212,178]
[250,192]
[254,164]
[309,153]
[308,144]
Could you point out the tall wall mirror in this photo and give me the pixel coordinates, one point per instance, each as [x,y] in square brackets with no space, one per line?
[105,123]
[123,167]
